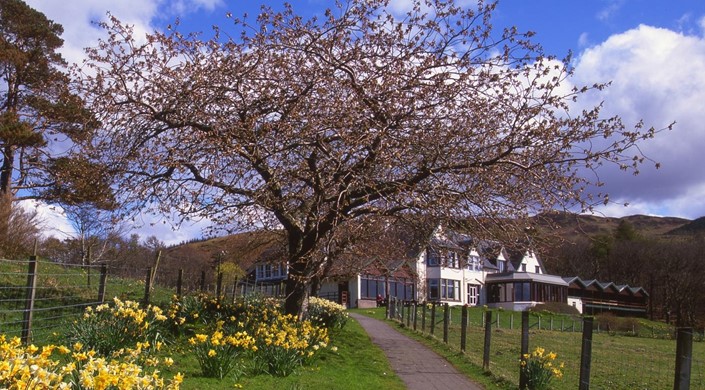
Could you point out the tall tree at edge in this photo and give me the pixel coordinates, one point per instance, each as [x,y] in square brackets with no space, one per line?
[40,118]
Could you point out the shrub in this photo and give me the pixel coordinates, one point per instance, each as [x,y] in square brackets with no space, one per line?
[218,354]
[612,323]
[107,329]
[326,313]
[555,308]
[26,367]
[539,369]
[286,343]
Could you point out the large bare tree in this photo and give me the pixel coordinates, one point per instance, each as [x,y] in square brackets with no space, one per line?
[303,125]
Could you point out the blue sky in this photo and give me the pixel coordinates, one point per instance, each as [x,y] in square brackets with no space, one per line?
[653,52]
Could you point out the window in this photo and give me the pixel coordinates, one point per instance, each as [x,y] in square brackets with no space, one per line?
[523,267]
[267,271]
[401,288]
[522,291]
[473,294]
[501,265]
[538,269]
[433,258]
[450,289]
[452,260]
[474,264]
[433,289]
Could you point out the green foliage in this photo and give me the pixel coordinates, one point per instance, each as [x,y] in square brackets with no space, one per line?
[555,308]
[540,368]
[326,313]
[624,325]
[218,354]
[107,329]
[38,109]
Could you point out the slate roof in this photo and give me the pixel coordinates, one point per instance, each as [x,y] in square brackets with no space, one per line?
[603,286]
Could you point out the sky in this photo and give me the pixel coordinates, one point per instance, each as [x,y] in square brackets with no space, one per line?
[652,52]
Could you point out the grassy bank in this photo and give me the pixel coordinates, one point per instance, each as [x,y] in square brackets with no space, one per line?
[357,364]
[619,361]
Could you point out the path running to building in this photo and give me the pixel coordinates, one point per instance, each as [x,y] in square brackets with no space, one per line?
[416,365]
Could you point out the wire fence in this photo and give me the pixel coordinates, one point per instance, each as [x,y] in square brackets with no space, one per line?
[40,299]
[37,296]
[617,360]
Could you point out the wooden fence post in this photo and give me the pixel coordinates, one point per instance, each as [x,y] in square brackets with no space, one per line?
[219,286]
[203,281]
[523,380]
[684,355]
[463,328]
[423,318]
[29,300]
[433,318]
[179,283]
[408,315]
[586,354]
[416,315]
[234,290]
[103,283]
[147,286]
[388,309]
[511,321]
[446,322]
[488,336]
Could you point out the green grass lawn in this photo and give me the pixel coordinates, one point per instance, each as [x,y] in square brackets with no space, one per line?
[618,361]
[357,364]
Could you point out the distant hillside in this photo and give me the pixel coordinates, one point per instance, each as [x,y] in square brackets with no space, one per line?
[569,226]
[693,227]
[245,249]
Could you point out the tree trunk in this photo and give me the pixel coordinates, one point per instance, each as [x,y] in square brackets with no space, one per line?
[297,289]
[6,170]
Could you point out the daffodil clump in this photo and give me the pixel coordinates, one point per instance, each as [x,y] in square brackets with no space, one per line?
[540,368]
[29,367]
[218,354]
[285,343]
[327,313]
[109,328]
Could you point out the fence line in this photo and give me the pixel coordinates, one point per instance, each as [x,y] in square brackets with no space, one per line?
[33,302]
[594,359]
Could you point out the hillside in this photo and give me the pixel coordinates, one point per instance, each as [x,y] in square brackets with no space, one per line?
[246,248]
[571,226]
[696,226]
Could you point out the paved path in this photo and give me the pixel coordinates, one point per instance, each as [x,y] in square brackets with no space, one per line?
[416,365]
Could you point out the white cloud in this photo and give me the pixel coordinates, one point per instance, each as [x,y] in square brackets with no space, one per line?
[657,75]
[180,7]
[584,40]
[52,220]
[78,18]
[610,10]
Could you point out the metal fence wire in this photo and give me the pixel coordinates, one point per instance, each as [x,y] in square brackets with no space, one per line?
[36,297]
[493,339]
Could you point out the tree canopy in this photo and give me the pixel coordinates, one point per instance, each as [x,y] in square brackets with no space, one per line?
[41,119]
[305,125]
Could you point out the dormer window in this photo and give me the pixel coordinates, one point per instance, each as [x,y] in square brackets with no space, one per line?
[501,265]
[523,268]
[474,264]
[433,258]
[452,260]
